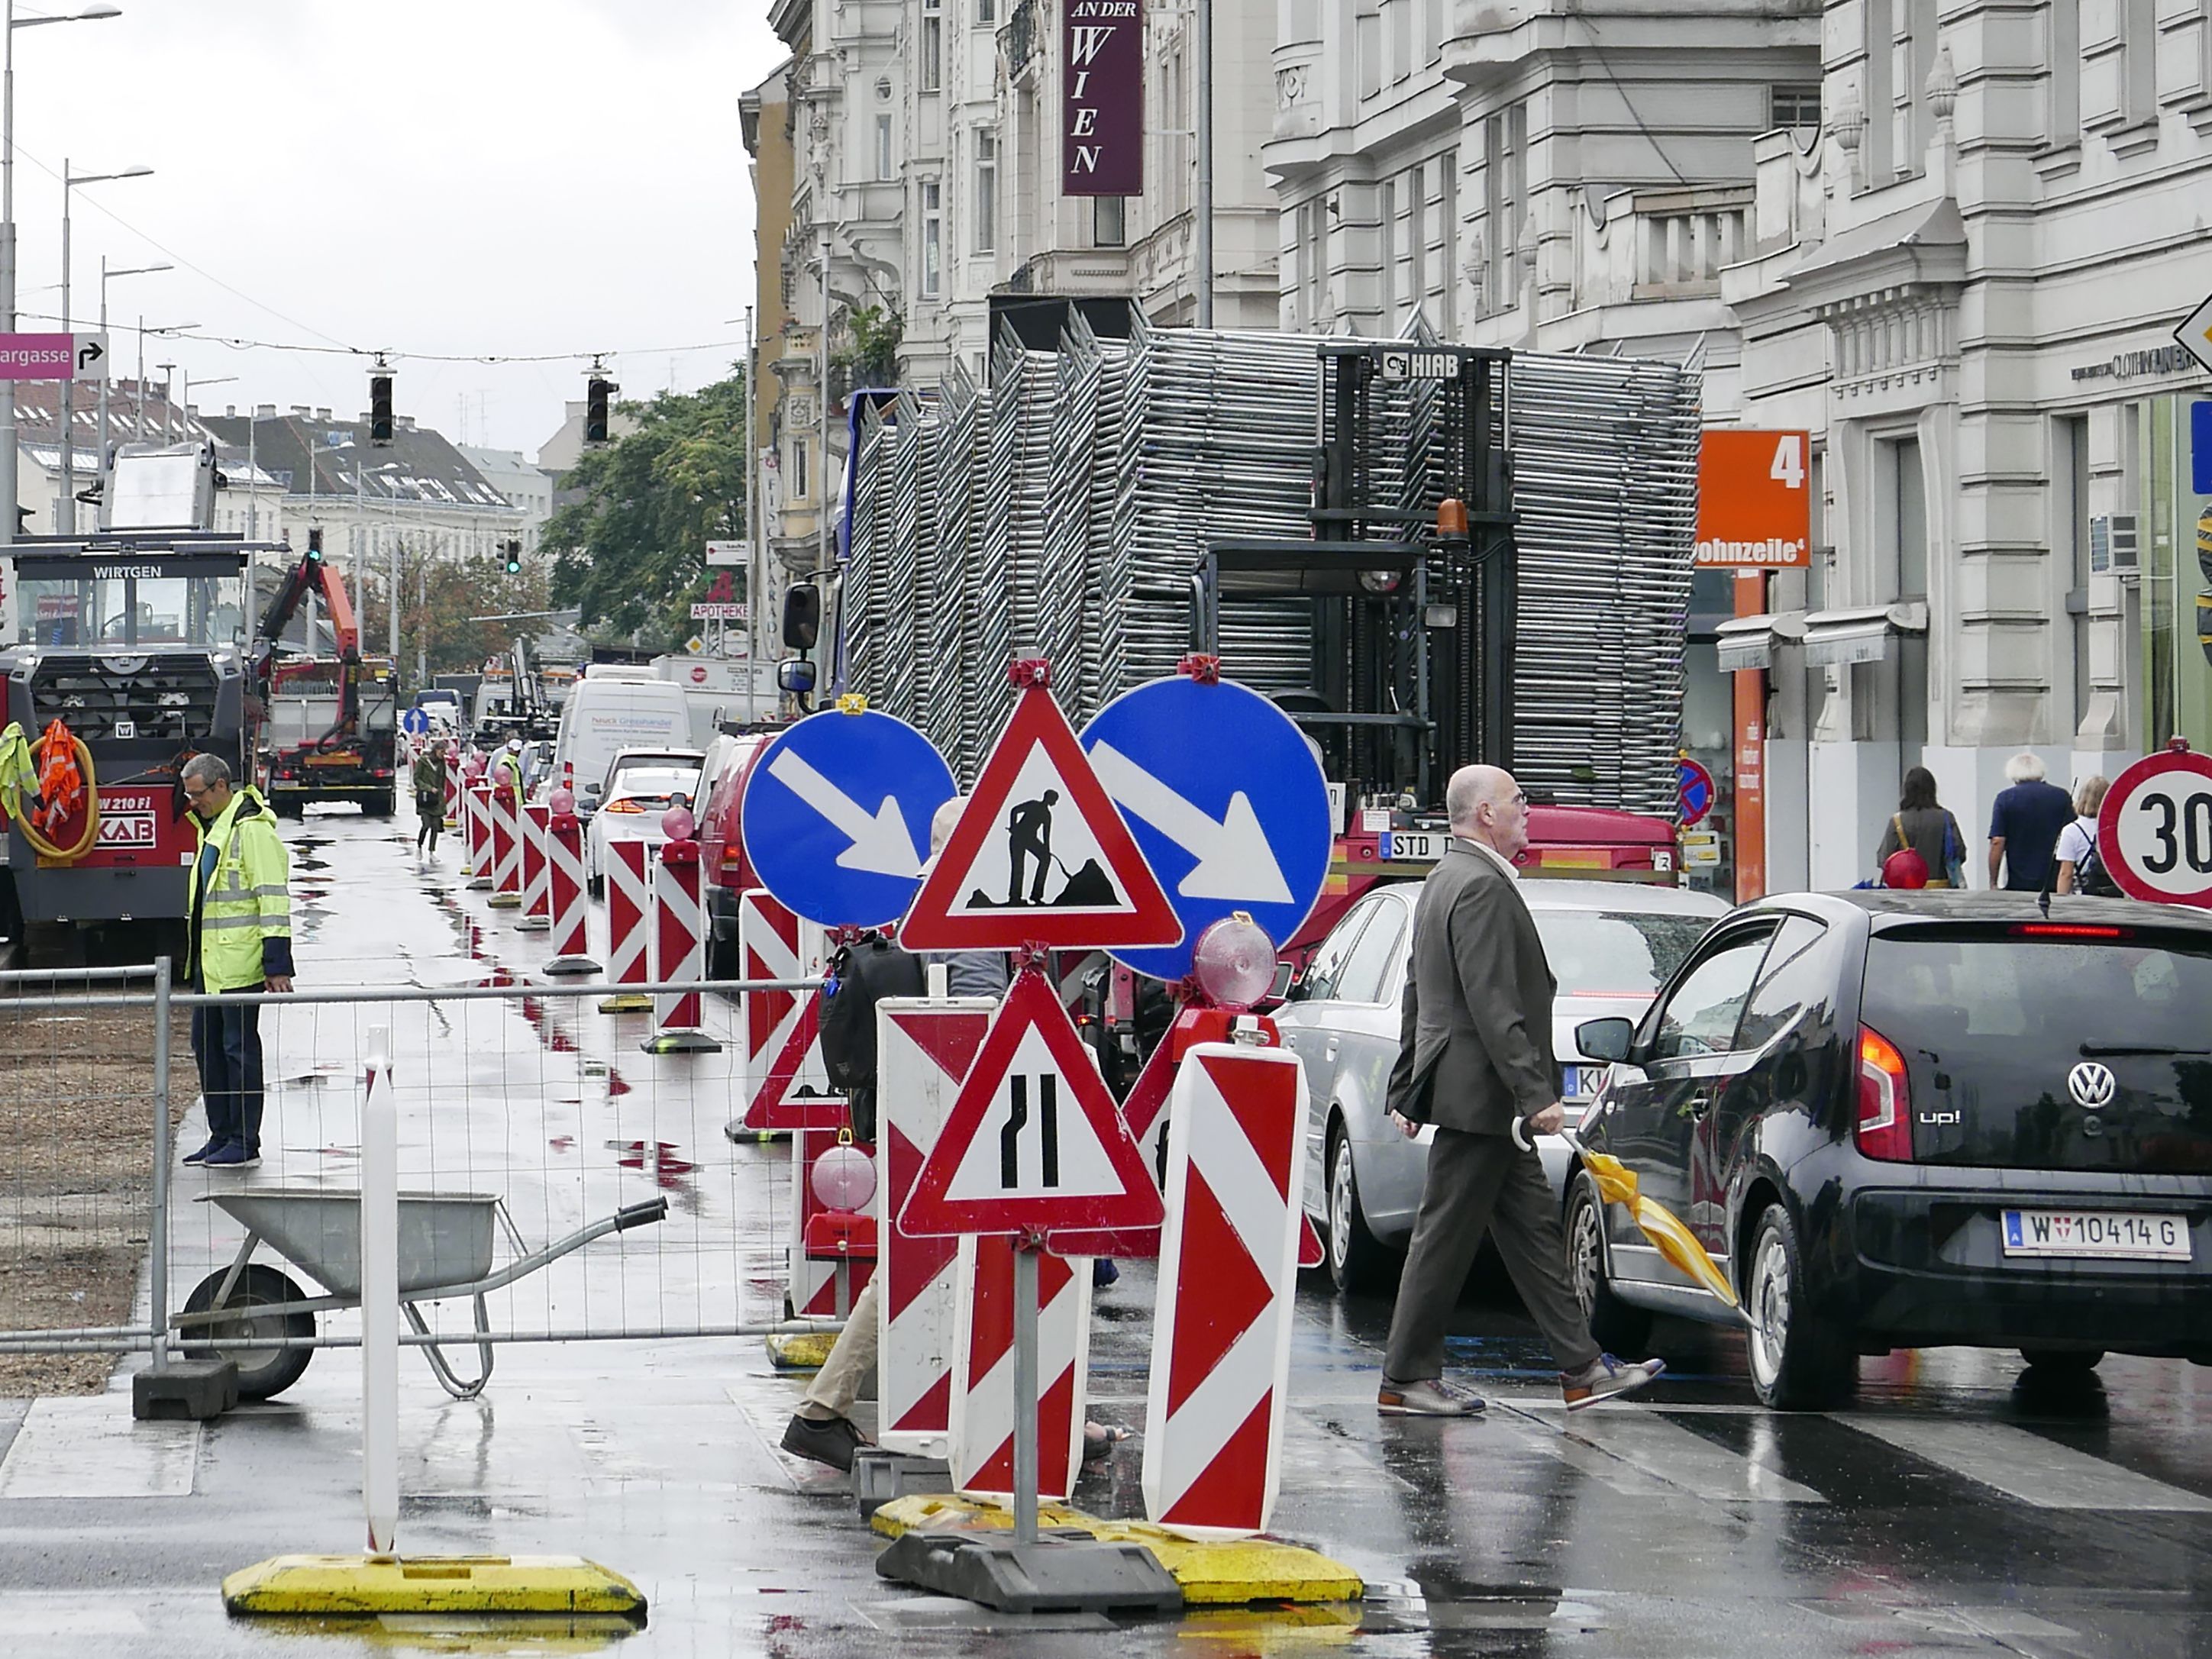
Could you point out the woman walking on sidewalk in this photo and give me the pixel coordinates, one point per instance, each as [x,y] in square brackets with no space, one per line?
[430,796]
[1926,826]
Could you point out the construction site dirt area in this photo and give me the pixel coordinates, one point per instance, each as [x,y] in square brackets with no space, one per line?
[76,1149]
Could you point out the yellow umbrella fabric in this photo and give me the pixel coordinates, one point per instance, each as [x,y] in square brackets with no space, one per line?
[1616,1184]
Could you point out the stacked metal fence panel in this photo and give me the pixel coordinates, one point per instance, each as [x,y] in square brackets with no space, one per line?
[1605,455]
[1063,510]
[865,597]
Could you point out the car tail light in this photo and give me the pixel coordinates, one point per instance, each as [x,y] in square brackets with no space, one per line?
[1885,1127]
[733,859]
[2067,930]
[621,807]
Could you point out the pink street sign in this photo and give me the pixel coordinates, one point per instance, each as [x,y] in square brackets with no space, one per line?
[38,356]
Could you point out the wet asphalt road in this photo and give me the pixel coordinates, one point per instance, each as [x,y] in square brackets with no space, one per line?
[1958,1508]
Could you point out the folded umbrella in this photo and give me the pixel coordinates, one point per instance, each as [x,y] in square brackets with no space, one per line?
[1616,1184]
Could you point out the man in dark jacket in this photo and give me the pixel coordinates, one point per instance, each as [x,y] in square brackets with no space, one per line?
[1475,1059]
[2026,821]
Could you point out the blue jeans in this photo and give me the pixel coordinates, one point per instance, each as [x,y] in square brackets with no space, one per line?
[226,1042]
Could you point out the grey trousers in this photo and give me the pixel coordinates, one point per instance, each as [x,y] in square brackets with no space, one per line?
[1479,1184]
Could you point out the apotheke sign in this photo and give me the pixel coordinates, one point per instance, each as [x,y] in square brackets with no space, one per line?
[2126,365]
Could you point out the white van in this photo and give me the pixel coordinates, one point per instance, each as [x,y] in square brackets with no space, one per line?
[609,712]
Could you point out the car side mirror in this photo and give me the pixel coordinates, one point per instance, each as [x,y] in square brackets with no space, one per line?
[1609,1040]
[1279,991]
[796,676]
[802,619]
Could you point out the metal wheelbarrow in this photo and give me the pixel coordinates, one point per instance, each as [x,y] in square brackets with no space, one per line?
[241,1312]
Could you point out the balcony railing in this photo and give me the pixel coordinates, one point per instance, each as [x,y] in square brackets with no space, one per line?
[1662,244]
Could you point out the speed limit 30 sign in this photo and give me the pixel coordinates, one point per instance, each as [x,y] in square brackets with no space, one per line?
[2155,830]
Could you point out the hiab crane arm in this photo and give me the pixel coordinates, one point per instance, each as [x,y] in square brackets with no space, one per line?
[313,575]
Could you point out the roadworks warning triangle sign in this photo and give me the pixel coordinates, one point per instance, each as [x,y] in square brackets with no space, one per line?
[1034,1142]
[1040,856]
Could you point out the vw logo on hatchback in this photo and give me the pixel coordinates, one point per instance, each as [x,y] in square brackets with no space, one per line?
[2091,1084]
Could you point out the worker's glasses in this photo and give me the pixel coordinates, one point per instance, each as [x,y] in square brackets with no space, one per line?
[193,795]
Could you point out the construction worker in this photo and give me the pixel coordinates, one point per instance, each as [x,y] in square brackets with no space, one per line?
[506,774]
[240,918]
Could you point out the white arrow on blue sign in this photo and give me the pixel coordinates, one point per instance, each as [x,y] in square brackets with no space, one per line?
[415,722]
[1227,803]
[836,816]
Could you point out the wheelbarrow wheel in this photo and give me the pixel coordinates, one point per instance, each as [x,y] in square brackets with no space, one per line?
[263,1373]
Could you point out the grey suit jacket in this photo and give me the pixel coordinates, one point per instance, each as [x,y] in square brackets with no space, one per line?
[1474,1048]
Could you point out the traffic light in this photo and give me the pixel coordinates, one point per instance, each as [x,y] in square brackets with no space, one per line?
[379,409]
[513,551]
[315,542]
[595,393]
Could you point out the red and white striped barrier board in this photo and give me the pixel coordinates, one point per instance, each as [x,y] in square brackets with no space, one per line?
[566,896]
[630,917]
[679,953]
[781,1075]
[982,1446]
[476,819]
[811,1285]
[1229,1267]
[505,851]
[536,895]
[453,801]
[1146,1112]
[923,1049]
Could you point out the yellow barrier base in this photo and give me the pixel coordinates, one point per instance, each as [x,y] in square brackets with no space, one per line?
[372,1584]
[505,900]
[1212,1572]
[627,1002]
[801,1351]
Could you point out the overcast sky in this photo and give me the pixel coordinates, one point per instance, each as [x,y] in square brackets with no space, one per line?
[462,177]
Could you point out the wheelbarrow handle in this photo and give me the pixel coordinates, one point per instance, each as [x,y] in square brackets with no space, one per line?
[640,1215]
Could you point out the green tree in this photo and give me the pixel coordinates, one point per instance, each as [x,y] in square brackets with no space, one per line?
[438,597]
[631,553]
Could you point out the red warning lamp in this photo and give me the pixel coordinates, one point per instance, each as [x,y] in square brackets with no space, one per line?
[678,824]
[1234,961]
[1451,519]
[844,1179]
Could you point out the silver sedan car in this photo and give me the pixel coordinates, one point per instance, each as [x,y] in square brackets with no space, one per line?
[1612,945]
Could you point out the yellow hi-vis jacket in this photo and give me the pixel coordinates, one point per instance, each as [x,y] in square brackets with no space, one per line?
[242,927]
[506,775]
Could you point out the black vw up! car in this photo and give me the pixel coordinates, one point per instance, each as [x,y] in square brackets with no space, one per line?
[1917,1119]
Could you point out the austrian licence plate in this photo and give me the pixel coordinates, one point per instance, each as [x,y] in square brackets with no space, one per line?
[1580,1082]
[2096,1234]
[1412,846]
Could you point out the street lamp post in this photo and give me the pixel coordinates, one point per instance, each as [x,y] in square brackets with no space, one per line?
[106,276]
[174,328]
[67,401]
[9,482]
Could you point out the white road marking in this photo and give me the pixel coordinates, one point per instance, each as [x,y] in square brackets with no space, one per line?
[2039,1472]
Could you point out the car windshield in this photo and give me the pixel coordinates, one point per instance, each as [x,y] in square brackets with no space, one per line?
[1623,953]
[655,782]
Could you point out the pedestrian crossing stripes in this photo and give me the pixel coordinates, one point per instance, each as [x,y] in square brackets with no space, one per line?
[1648,1449]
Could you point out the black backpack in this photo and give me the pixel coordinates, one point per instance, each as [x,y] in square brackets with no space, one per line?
[861,975]
[2093,880]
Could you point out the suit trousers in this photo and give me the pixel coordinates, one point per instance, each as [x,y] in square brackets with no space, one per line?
[1479,1184]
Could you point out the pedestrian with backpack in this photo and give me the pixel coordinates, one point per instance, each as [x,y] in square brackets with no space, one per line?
[1925,825]
[2080,866]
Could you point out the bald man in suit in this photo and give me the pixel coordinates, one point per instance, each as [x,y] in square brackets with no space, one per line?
[1474,1058]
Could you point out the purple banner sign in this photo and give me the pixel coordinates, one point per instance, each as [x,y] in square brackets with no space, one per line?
[1102,148]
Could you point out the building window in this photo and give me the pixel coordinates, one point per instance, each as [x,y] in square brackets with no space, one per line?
[932,46]
[1506,190]
[987,191]
[2062,123]
[1367,46]
[1797,105]
[1908,493]
[1109,220]
[932,238]
[2069,519]
[986,12]
[883,148]
[798,469]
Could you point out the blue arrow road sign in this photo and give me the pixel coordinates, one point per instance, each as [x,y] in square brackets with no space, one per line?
[415,722]
[1226,800]
[836,816]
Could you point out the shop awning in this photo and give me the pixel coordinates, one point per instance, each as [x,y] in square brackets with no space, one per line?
[1863,633]
[1749,642]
